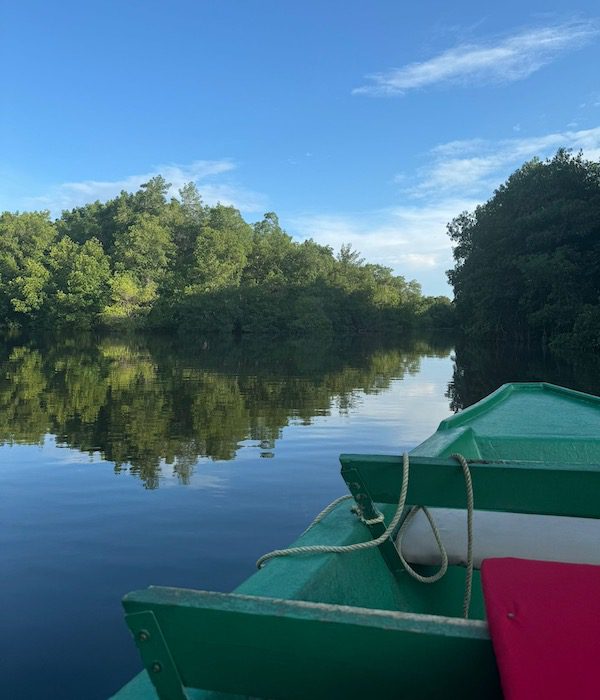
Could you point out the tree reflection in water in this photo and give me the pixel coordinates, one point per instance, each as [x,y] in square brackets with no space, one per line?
[480,369]
[143,402]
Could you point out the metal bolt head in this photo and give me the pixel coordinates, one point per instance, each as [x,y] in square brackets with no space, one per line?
[143,635]
[155,667]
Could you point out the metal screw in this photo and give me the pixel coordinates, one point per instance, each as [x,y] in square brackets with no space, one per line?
[156,667]
[143,635]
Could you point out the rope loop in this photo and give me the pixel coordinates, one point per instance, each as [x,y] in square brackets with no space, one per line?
[344,548]
[436,533]
[326,511]
[390,529]
[358,511]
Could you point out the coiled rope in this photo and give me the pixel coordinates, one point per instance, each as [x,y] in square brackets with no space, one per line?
[345,548]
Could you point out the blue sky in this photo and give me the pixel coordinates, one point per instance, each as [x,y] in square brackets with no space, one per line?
[371,122]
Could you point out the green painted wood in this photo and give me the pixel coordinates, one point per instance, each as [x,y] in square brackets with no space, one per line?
[362,498]
[358,578]
[523,422]
[531,408]
[140,688]
[520,487]
[156,655]
[291,649]
[544,442]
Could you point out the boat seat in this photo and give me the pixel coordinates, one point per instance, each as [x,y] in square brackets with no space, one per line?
[261,647]
[539,537]
[544,620]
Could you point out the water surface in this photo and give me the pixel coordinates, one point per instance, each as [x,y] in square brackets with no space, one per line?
[129,462]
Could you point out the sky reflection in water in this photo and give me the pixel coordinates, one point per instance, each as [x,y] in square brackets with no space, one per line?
[129,462]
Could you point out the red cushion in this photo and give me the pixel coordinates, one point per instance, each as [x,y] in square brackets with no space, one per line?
[544,620]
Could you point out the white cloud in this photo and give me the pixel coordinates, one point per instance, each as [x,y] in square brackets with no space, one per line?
[511,58]
[477,166]
[203,172]
[411,239]
[460,147]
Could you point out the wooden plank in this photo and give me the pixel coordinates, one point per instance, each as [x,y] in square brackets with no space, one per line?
[156,655]
[522,487]
[387,548]
[271,648]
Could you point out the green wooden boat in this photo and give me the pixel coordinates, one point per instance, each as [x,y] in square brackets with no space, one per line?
[356,624]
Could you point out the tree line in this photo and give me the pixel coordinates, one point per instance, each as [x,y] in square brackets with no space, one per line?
[146,261]
[527,262]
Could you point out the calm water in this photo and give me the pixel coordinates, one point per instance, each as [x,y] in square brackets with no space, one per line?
[126,463]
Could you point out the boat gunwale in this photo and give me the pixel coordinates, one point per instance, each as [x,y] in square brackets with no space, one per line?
[503,393]
[350,459]
[399,620]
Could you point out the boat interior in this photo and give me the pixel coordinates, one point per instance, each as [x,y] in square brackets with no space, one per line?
[534,463]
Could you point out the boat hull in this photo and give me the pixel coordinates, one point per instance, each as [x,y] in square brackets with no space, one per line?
[355,624]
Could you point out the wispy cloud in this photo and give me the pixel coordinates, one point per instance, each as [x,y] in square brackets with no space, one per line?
[477,166]
[508,59]
[205,173]
[411,239]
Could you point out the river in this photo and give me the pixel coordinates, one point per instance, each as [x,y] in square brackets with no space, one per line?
[134,461]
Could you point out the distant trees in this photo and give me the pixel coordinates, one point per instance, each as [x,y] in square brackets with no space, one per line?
[142,260]
[527,262]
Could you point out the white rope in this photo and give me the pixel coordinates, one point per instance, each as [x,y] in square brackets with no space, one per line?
[344,548]
[326,511]
[470,508]
[373,521]
[436,533]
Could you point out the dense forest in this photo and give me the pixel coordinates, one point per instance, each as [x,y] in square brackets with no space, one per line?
[528,260]
[146,261]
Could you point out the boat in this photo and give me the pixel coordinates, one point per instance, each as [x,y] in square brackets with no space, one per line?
[512,487]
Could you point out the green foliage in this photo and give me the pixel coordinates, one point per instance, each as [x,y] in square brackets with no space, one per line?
[527,263]
[90,221]
[24,242]
[144,250]
[219,258]
[29,287]
[78,283]
[130,300]
[145,261]
[437,312]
